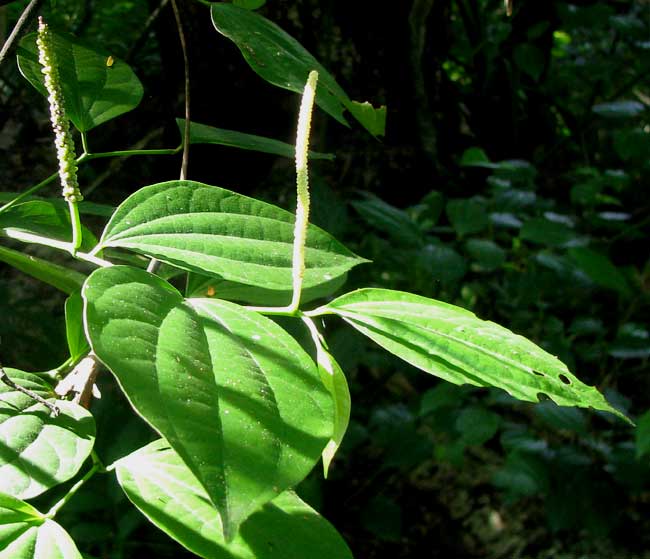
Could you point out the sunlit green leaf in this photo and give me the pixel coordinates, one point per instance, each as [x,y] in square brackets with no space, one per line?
[165,490]
[62,278]
[214,231]
[39,451]
[452,343]
[44,218]
[235,395]
[26,534]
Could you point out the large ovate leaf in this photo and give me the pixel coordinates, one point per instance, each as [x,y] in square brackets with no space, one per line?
[158,482]
[38,451]
[94,91]
[455,345]
[26,534]
[281,60]
[214,231]
[44,218]
[236,397]
[204,134]
[60,277]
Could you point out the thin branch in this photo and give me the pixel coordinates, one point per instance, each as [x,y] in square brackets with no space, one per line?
[186,67]
[142,39]
[153,263]
[4,377]
[22,21]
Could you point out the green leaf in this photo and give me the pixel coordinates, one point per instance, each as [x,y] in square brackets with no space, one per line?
[334,379]
[467,216]
[26,534]
[600,269]
[561,417]
[157,482]
[476,157]
[529,59]
[373,120]
[211,230]
[88,208]
[237,398]
[202,286]
[204,134]
[94,92]
[523,474]
[249,4]
[477,425]
[44,218]
[455,345]
[60,277]
[281,60]
[487,254]
[74,327]
[396,223]
[39,451]
[549,233]
[619,109]
[642,435]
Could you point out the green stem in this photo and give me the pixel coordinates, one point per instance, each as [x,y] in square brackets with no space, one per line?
[276,311]
[66,498]
[83,158]
[129,152]
[61,245]
[28,192]
[84,143]
[76,226]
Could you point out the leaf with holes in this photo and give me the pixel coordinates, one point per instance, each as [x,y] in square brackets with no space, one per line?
[158,482]
[455,345]
[94,92]
[236,397]
[214,231]
[281,60]
[26,534]
[38,451]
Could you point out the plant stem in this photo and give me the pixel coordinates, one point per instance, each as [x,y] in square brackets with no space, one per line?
[62,502]
[76,226]
[4,377]
[186,68]
[28,192]
[61,245]
[84,143]
[22,21]
[88,157]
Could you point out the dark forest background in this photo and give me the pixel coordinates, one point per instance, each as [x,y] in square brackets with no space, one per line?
[513,180]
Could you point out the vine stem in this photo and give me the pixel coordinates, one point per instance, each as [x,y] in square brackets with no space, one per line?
[61,245]
[82,159]
[22,21]
[64,500]
[154,264]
